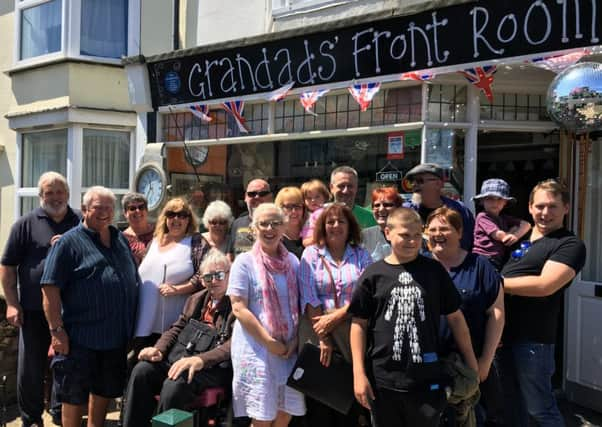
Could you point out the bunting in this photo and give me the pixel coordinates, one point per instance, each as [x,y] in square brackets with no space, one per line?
[557,63]
[481,78]
[201,111]
[235,108]
[363,93]
[417,75]
[279,94]
[308,99]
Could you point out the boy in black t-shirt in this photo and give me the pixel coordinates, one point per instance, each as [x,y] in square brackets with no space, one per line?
[396,309]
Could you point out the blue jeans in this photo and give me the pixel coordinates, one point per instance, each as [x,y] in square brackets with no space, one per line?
[527,369]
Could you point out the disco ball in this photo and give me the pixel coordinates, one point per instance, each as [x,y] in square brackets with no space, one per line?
[574,97]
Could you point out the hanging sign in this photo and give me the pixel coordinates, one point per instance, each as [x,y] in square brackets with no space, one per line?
[467,33]
[389,176]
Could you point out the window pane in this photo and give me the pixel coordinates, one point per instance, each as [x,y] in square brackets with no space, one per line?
[43,152]
[41,29]
[104,28]
[28,204]
[446,148]
[593,211]
[106,158]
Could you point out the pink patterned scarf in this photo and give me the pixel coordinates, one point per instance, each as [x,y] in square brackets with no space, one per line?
[267,266]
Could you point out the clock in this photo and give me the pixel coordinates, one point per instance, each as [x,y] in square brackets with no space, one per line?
[152,183]
[196,156]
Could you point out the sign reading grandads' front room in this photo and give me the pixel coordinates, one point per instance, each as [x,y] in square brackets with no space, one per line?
[467,33]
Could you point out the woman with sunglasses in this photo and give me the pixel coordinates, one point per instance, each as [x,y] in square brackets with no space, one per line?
[265,300]
[328,273]
[179,385]
[139,232]
[384,201]
[170,271]
[290,200]
[217,219]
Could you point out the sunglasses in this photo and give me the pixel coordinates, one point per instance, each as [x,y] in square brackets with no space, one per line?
[292,207]
[216,275]
[421,181]
[253,194]
[218,222]
[133,208]
[264,225]
[384,205]
[180,214]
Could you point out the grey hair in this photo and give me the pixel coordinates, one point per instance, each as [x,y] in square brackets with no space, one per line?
[132,197]
[343,169]
[97,190]
[214,256]
[267,207]
[52,177]
[217,209]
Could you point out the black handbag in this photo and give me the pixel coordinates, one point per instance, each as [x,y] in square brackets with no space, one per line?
[197,337]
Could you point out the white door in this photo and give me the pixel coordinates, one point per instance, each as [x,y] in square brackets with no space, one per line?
[583,303]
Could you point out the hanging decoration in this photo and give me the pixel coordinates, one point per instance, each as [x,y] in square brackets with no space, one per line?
[481,78]
[420,76]
[363,93]
[279,94]
[235,108]
[308,99]
[201,111]
[557,63]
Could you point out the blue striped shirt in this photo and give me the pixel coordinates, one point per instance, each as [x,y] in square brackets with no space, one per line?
[99,287]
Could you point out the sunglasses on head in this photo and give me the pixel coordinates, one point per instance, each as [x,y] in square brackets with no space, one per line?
[218,222]
[253,194]
[180,214]
[133,208]
[215,275]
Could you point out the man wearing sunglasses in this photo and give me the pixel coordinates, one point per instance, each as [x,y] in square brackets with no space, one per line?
[427,186]
[241,240]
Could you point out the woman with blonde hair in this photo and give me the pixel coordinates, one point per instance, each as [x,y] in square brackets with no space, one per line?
[170,271]
[290,200]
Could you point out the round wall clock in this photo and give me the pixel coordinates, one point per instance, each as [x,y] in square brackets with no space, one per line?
[151,181]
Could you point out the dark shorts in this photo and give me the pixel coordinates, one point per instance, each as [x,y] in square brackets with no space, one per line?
[84,371]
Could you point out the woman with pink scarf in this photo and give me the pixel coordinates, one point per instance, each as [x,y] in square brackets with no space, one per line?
[265,300]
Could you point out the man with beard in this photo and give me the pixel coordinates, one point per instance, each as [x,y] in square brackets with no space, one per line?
[29,241]
[241,238]
[427,184]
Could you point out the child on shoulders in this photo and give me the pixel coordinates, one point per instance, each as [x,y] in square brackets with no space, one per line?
[315,195]
[495,232]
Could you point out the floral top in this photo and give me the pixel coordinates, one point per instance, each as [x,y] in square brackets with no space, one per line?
[315,285]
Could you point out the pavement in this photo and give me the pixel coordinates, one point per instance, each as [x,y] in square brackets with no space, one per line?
[574,415]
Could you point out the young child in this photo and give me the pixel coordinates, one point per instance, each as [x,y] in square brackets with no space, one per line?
[396,309]
[315,195]
[495,232]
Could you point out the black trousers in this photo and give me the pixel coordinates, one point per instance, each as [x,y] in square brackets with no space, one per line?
[407,409]
[150,379]
[34,341]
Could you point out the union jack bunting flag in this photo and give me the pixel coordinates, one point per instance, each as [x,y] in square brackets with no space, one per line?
[279,94]
[308,99]
[363,93]
[235,108]
[201,111]
[417,75]
[557,63]
[481,78]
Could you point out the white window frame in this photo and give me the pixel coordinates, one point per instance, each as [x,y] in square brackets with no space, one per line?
[302,6]
[70,34]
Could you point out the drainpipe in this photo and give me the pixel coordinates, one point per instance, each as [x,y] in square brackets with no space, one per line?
[176,24]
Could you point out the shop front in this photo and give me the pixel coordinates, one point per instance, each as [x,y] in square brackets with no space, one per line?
[474,130]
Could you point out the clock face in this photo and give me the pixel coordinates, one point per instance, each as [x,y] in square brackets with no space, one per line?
[151,184]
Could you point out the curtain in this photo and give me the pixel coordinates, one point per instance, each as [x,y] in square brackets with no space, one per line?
[42,152]
[593,212]
[104,28]
[106,159]
[41,29]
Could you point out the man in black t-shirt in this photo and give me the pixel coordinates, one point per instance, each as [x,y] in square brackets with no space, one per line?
[534,283]
[396,309]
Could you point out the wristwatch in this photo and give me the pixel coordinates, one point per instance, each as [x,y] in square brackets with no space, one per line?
[57,329]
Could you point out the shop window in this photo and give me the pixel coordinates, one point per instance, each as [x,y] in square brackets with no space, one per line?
[446,103]
[40,28]
[104,28]
[592,227]
[106,161]
[446,148]
[514,106]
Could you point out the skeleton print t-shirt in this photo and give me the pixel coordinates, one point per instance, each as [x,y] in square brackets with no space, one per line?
[403,305]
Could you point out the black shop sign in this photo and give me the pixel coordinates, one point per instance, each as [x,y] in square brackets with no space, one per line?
[475,32]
